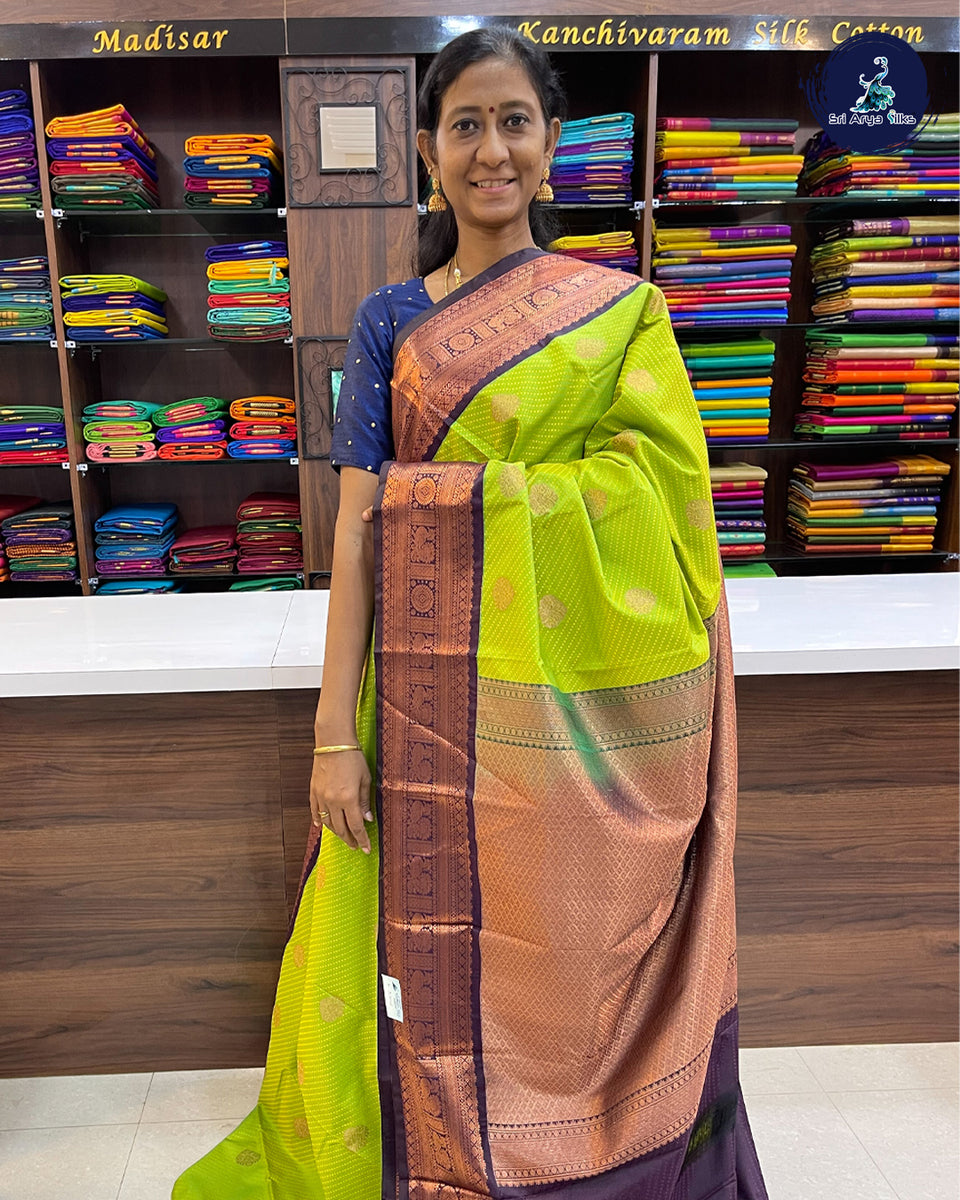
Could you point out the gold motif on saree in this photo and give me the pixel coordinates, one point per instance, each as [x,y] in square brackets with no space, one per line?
[356,1138]
[640,600]
[503,593]
[503,406]
[595,501]
[542,497]
[331,1008]
[699,513]
[589,347]
[512,480]
[552,611]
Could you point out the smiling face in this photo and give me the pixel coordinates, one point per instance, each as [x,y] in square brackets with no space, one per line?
[491,146]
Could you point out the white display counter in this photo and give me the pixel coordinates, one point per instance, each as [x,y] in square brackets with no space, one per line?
[74,646]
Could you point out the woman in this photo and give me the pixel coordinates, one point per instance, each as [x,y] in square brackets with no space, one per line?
[547,706]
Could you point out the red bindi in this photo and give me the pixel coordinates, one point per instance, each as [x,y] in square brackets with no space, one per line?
[491,108]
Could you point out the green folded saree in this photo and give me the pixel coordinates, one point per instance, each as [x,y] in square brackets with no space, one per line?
[28,413]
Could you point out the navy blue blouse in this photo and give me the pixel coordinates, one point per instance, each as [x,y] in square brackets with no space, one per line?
[362,431]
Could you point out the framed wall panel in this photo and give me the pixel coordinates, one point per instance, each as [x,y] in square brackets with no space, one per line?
[313,93]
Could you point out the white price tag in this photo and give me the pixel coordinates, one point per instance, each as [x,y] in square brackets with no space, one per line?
[391,997]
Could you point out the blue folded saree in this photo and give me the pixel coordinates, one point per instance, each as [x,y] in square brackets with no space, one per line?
[148,517]
[238,250]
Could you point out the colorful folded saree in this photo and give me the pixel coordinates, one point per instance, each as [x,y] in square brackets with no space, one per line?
[566,1030]
[192,451]
[274,583]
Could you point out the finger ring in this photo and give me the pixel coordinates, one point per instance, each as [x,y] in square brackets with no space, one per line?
[322,815]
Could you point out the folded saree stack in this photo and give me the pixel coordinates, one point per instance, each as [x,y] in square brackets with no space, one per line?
[26,300]
[138,587]
[927,165]
[269,583]
[887,507]
[615,250]
[236,170]
[133,540]
[731,383]
[209,550]
[594,161]
[737,491]
[263,427]
[108,308]
[39,544]
[9,507]
[248,292]
[269,534]
[894,269]
[32,435]
[878,386]
[724,275]
[19,170]
[192,430]
[103,160]
[119,431]
[726,158]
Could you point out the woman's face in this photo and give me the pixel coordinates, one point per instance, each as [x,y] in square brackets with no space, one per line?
[491,145]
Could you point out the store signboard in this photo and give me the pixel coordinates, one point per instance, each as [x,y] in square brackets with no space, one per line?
[426,35]
[143,39]
[605,34]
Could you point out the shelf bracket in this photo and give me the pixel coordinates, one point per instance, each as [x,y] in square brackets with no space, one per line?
[281,214]
[639,205]
[82,468]
[294,462]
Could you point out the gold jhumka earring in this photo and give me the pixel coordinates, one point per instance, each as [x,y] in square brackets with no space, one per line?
[438,201]
[544,192]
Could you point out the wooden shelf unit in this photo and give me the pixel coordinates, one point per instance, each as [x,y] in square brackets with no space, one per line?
[341,251]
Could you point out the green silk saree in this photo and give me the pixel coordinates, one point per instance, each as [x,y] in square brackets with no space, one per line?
[548,710]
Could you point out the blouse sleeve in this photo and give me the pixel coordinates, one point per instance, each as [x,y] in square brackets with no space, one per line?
[362,430]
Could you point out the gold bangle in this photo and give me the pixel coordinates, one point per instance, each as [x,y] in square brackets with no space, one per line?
[332,749]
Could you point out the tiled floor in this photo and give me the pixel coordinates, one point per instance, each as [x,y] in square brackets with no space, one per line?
[831,1123]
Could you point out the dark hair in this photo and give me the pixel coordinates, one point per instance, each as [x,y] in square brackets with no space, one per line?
[438,231]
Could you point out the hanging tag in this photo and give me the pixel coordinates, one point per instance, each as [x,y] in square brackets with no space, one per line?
[391,997]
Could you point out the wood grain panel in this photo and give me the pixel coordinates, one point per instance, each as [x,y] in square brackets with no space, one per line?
[143,892]
[847,858]
[154,853]
[338,256]
[103,11]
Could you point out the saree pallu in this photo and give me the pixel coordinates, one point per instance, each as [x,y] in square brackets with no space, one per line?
[548,710]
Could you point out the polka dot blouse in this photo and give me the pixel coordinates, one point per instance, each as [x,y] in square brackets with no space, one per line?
[362,429]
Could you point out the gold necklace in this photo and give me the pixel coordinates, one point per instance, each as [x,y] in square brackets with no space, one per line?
[456,275]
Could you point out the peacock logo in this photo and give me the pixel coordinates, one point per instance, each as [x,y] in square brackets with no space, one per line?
[890,103]
[877,95]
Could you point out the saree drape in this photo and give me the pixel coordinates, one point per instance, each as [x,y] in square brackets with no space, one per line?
[548,708]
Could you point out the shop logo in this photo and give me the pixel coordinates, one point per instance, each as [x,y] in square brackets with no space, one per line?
[870,93]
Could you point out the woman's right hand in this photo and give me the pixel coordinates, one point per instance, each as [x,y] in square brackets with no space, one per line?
[340,788]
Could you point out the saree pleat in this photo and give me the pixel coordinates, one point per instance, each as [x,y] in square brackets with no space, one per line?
[548,705]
